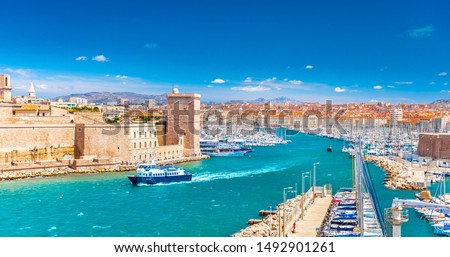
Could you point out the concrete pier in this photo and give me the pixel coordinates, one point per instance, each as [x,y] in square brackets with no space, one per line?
[313,218]
[307,212]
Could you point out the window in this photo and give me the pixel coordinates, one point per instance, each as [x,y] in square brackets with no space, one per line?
[135,135]
[134,145]
[145,144]
[6,81]
[140,145]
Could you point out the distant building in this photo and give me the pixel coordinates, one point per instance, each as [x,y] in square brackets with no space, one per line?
[79,101]
[440,124]
[30,98]
[151,103]
[31,110]
[396,115]
[61,104]
[124,101]
[5,88]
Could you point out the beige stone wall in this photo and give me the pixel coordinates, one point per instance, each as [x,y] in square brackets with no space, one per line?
[102,141]
[37,120]
[169,152]
[55,111]
[434,145]
[5,112]
[36,154]
[32,142]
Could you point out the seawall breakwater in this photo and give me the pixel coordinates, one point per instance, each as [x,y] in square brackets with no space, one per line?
[272,225]
[398,174]
[59,169]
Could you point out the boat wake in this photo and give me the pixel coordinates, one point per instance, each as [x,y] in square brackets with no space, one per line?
[228,174]
[101,227]
[204,177]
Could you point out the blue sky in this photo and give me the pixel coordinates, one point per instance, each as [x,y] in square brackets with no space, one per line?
[346,51]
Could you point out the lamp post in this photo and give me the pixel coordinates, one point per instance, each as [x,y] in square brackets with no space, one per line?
[310,177]
[304,175]
[271,226]
[284,208]
[314,175]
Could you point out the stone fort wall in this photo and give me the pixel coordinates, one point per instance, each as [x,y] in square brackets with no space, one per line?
[434,145]
[21,142]
[102,141]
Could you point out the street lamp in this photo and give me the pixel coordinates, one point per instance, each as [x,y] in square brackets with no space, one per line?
[304,175]
[314,175]
[271,221]
[284,208]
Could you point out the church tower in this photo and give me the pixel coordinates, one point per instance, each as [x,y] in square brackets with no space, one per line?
[31,91]
[5,88]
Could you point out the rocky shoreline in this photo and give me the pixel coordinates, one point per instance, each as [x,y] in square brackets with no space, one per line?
[61,170]
[269,226]
[397,174]
[24,174]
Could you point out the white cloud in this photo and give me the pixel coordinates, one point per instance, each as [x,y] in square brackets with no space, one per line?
[442,74]
[107,75]
[269,80]
[378,87]
[339,90]
[81,58]
[373,101]
[258,88]
[445,91]
[100,58]
[151,45]
[391,86]
[248,80]
[296,82]
[42,86]
[218,81]
[432,83]
[21,72]
[445,84]
[209,86]
[309,67]
[403,82]
[121,76]
[421,32]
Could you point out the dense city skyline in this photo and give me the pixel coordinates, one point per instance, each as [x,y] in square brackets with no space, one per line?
[346,51]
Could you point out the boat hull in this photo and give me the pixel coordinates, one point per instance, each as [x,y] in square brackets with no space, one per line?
[138,180]
[227,154]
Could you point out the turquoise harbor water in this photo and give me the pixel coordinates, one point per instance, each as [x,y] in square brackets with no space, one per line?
[223,195]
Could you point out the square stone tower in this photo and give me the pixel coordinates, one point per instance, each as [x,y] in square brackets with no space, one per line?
[183,122]
[5,88]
